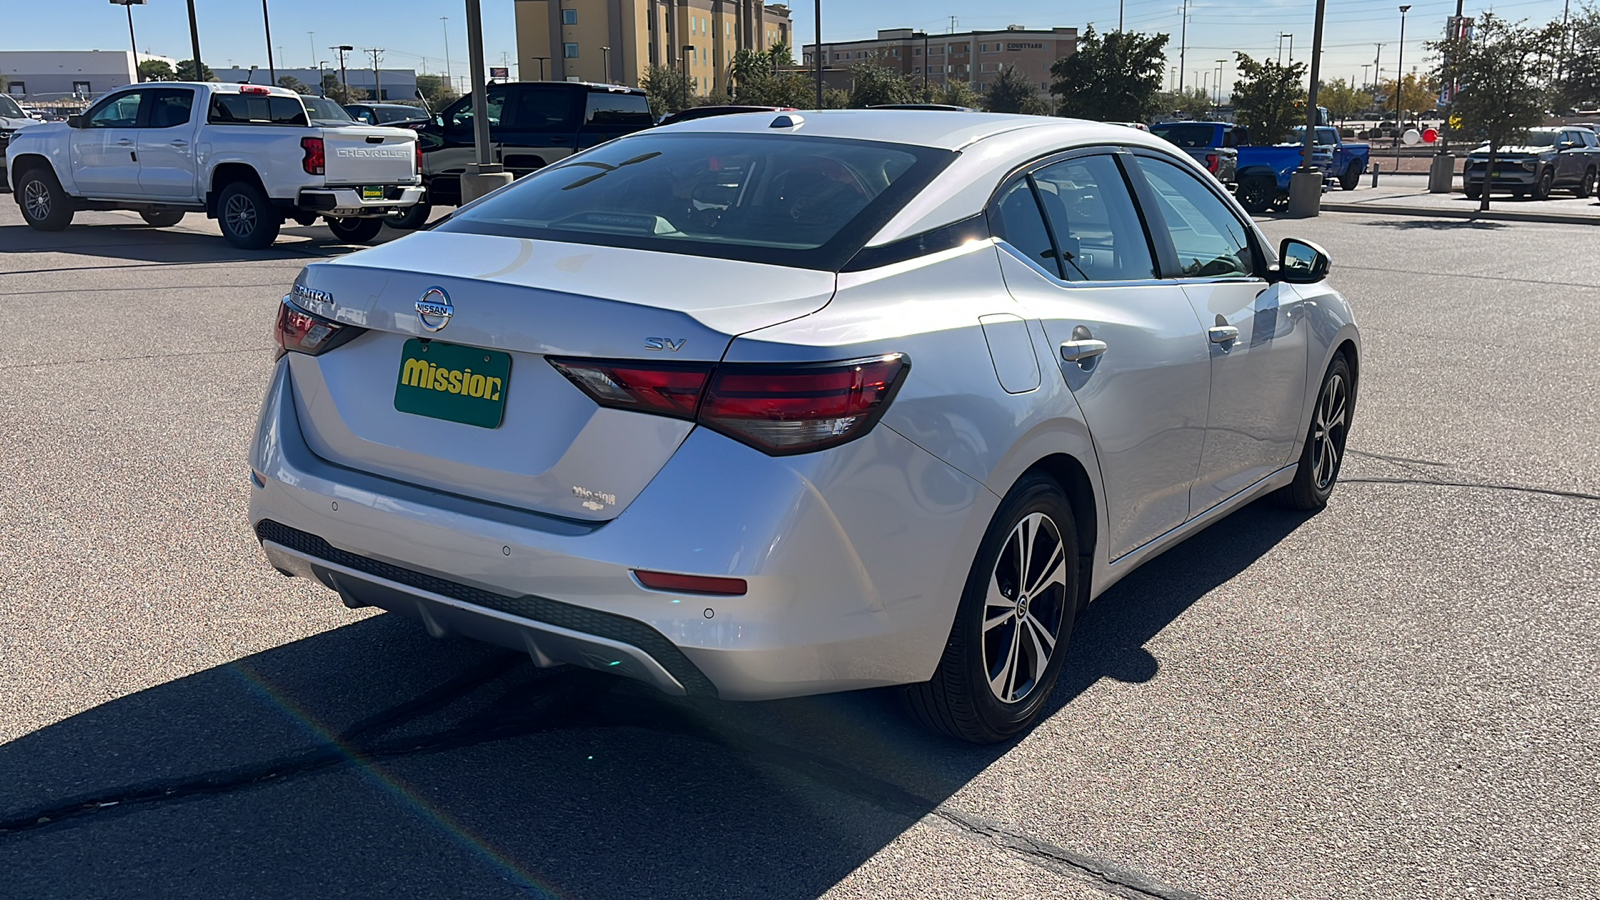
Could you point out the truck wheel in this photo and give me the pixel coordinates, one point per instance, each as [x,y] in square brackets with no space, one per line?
[411,219]
[1351,178]
[355,230]
[45,206]
[1587,184]
[161,219]
[249,220]
[1547,181]
[1473,191]
[1257,195]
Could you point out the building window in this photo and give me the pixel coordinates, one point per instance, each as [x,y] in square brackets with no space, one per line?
[917,70]
[570,51]
[80,87]
[17,89]
[916,51]
[569,17]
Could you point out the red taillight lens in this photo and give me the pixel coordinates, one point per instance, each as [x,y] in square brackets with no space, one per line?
[779,410]
[691,584]
[309,333]
[418,145]
[313,162]
[1211,163]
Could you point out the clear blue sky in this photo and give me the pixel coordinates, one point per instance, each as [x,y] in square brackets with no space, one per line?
[410,30]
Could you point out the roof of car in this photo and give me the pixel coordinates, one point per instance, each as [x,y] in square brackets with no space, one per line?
[925,128]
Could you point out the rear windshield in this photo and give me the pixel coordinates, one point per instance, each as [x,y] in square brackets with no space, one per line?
[326,112]
[256,109]
[1189,136]
[781,199]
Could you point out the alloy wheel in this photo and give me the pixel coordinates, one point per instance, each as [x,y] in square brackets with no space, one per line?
[240,214]
[1023,609]
[1328,431]
[36,200]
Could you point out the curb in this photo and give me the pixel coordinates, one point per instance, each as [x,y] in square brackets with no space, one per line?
[1492,215]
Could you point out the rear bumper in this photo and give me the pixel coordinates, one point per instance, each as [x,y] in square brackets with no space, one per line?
[346,202]
[854,560]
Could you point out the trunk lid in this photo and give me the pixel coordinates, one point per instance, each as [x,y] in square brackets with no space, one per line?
[369,154]
[554,450]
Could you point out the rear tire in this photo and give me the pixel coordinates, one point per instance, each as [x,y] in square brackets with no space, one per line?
[161,219]
[1351,179]
[45,206]
[248,219]
[1323,454]
[1587,184]
[1256,194]
[1013,624]
[413,218]
[354,230]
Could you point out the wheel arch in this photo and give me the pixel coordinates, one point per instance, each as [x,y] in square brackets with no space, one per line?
[1068,472]
[227,173]
[27,162]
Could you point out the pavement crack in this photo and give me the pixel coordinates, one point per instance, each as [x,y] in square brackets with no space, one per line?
[1486,486]
[1403,460]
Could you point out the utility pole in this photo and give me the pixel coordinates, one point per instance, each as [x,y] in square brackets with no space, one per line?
[1399,90]
[444,21]
[266,24]
[1183,44]
[344,81]
[311,37]
[1377,74]
[377,83]
[819,49]
[1220,64]
[194,42]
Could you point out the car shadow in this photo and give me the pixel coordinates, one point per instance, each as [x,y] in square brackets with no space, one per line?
[1436,224]
[144,245]
[372,760]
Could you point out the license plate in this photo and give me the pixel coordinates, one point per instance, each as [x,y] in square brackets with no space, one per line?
[454,383]
[372,193]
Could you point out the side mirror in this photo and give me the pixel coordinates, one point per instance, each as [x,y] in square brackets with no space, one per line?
[1301,262]
[74,121]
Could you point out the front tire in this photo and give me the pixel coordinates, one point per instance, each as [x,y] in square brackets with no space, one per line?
[1546,183]
[1473,191]
[1323,454]
[45,206]
[1013,624]
[161,219]
[354,230]
[248,219]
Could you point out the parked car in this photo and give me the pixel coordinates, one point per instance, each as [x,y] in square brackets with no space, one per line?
[760,407]
[1567,157]
[703,112]
[1346,162]
[396,114]
[247,155]
[1212,144]
[1262,174]
[531,124]
[12,119]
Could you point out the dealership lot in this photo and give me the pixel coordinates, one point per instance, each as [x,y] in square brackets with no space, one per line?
[1396,697]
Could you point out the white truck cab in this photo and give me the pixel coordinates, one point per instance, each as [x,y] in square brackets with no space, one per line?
[247,155]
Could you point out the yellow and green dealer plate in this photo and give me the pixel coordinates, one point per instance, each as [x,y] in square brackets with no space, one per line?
[454,383]
[372,192]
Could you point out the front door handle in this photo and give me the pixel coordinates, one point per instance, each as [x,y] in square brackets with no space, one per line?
[1078,351]
[124,143]
[1222,334]
[180,143]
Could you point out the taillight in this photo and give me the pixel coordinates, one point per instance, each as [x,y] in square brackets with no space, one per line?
[418,145]
[309,333]
[313,162]
[1211,163]
[778,409]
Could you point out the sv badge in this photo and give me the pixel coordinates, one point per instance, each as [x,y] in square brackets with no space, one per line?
[660,343]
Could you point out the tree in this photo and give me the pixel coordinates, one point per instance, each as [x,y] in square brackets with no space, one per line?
[1111,78]
[668,89]
[338,93]
[1012,92]
[875,85]
[1189,103]
[1269,98]
[1342,99]
[156,70]
[1499,96]
[436,90]
[1579,84]
[296,85]
[767,78]
[1417,93]
[185,71]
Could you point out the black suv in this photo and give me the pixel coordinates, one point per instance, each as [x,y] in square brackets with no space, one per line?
[531,124]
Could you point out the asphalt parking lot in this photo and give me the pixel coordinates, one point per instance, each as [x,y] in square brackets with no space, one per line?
[1398,697]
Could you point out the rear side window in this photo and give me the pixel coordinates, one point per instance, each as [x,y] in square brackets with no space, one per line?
[256,109]
[781,199]
[1016,219]
[612,108]
[543,110]
[170,107]
[1094,220]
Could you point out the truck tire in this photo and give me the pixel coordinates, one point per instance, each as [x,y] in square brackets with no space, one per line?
[1257,194]
[163,219]
[1351,178]
[1546,182]
[413,218]
[355,230]
[248,219]
[1586,184]
[45,206]
[1473,191]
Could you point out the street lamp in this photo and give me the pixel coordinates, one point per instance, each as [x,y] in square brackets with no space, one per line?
[322,79]
[132,41]
[605,64]
[444,22]
[1399,85]
[542,60]
[1290,36]
[266,24]
[683,69]
[1218,108]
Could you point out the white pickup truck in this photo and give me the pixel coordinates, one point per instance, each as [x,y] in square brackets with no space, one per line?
[247,155]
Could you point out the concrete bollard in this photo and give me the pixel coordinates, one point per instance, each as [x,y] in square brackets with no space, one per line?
[479,180]
[1376,165]
[1441,173]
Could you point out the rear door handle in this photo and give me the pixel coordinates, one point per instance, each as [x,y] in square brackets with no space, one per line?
[1077,351]
[1222,334]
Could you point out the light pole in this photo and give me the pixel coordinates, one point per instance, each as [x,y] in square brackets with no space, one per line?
[1217,110]
[311,38]
[266,24]
[1399,84]
[684,58]
[322,79]
[132,41]
[444,22]
[344,82]
[1183,44]
[819,53]
[605,64]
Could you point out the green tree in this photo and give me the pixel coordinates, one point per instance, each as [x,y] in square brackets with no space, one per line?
[1269,98]
[668,89]
[768,78]
[1112,78]
[185,71]
[156,70]
[436,90]
[1579,83]
[296,85]
[338,93]
[1342,99]
[875,85]
[1419,93]
[1189,103]
[956,93]
[1012,92]
[1497,72]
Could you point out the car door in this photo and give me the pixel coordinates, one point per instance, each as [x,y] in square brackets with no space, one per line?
[166,153]
[1127,343]
[1256,330]
[540,126]
[105,151]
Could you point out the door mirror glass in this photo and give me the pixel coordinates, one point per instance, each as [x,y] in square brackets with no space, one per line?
[1302,262]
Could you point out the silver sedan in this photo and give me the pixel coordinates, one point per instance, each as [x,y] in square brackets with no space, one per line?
[766,405]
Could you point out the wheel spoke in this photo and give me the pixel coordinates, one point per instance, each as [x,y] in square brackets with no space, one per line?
[1026,529]
[1041,633]
[1055,573]
[1002,684]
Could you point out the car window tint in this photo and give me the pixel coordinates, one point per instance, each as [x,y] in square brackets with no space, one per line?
[1095,221]
[1210,240]
[121,112]
[170,107]
[256,109]
[615,108]
[1187,135]
[543,110]
[1017,221]
[494,101]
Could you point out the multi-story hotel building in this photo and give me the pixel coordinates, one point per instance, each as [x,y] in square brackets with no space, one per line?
[976,57]
[616,41]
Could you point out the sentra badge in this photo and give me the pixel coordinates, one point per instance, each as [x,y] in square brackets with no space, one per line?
[312,295]
[434,309]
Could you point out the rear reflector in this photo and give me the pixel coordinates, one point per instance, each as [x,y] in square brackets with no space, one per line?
[690,584]
[667,391]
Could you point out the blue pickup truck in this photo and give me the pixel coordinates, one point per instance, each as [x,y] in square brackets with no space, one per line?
[1263,173]
[1346,162]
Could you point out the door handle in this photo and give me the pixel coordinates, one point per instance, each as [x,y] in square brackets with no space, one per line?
[180,143]
[1078,351]
[1222,334]
[124,143]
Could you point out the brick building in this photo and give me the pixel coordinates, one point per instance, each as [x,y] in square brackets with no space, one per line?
[976,57]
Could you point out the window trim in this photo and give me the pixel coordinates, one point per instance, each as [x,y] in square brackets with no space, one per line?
[1166,253]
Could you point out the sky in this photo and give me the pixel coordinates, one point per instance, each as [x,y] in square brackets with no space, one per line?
[412,35]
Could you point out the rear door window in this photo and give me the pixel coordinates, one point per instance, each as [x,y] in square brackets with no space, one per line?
[616,108]
[1017,220]
[1094,220]
[544,109]
[170,107]
[460,118]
